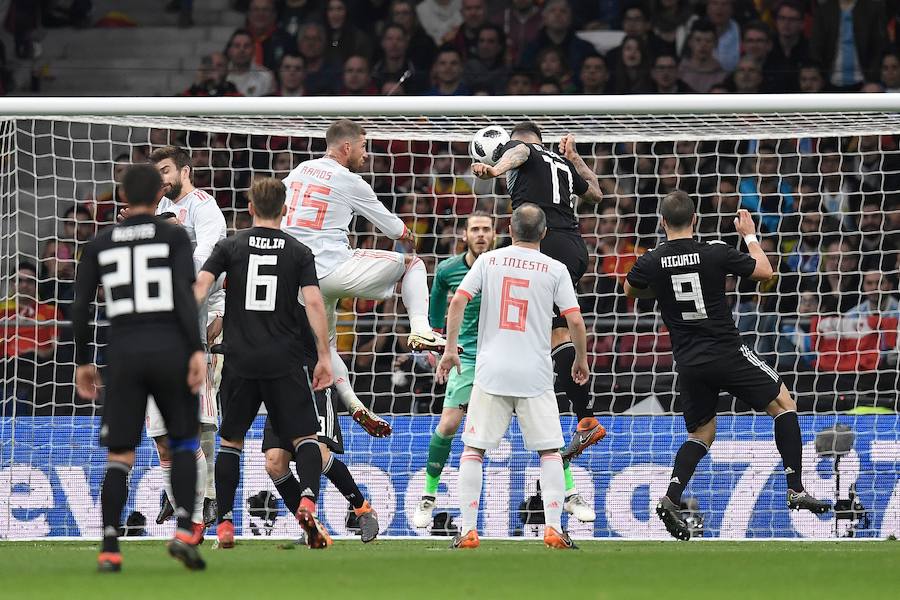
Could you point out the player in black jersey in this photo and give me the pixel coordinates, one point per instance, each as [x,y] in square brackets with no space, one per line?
[554,182]
[146,269]
[267,340]
[687,278]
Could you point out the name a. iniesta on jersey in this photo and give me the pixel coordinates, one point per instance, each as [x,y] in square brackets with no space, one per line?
[680,260]
[525,265]
[135,232]
[266,243]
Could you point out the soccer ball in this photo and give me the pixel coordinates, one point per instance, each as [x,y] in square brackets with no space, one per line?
[486,145]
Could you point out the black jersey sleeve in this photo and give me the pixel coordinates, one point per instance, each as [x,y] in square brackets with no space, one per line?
[579,185]
[307,263]
[86,281]
[641,274]
[737,262]
[182,257]
[219,259]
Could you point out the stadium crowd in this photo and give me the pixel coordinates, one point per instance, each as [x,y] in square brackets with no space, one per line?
[827,208]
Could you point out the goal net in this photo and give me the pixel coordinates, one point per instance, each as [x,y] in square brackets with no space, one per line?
[821,177]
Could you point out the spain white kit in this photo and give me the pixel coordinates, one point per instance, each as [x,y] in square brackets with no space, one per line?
[513,368]
[322,199]
[204,223]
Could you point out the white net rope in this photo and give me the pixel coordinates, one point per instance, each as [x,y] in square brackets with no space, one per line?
[823,187]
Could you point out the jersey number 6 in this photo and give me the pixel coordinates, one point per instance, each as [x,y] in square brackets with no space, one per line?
[507,302]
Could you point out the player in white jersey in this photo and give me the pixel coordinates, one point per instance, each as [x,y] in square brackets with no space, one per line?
[324,195]
[202,219]
[513,370]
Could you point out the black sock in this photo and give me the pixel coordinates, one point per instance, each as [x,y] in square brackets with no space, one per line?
[289,489]
[184,485]
[690,453]
[790,447]
[228,475]
[338,474]
[309,468]
[113,495]
[563,359]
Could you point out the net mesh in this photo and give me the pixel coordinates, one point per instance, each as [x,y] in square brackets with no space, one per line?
[822,186]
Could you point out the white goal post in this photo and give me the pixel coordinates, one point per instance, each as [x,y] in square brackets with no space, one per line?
[820,172]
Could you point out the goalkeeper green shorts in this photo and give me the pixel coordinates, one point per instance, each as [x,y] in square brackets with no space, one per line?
[459,386]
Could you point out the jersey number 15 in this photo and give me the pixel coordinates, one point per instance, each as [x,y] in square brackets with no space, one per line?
[319,205]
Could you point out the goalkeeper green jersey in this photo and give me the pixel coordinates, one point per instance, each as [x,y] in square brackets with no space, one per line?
[447,277]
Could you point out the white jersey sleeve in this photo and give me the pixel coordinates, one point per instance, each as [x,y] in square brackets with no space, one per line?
[565,298]
[209,228]
[363,201]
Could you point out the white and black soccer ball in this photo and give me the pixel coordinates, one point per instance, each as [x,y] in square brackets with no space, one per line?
[487,144]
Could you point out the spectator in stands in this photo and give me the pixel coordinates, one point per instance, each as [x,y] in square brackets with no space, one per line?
[665,76]
[270,42]
[421,47]
[699,67]
[838,191]
[396,65]
[294,13]
[448,70]
[631,75]
[291,76]
[764,192]
[810,79]
[549,87]
[879,249]
[520,83]
[839,280]
[282,164]
[321,74]
[848,39]
[804,252]
[108,203]
[78,228]
[343,39]
[757,45]
[474,16]
[877,297]
[357,80]
[728,32]
[790,48]
[57,276]
[521,21]
[594,75]
[551,66]
[249,78]
[717,222]
[890,72]
[487,68]
[668,17]
[557,31]
[747,77]
[636,23]
[22,342]
[440,19]
[211,78]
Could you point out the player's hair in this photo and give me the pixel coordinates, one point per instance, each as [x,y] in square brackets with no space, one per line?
[142,184]
[341,130]
[526,127]
[267,195]
[179,156]
[478,213]
[677,209]
[528,223]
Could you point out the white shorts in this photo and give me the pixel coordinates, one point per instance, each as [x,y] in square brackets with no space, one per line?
[209,409]
[369,274]
[488,417]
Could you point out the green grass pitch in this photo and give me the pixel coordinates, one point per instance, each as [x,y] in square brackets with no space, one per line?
[427,569]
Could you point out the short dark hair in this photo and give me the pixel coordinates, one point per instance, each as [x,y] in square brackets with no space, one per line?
[77,209]
[448,49]
[234,34]
[267,196]
[703,25]
[501,35]
[294,55]
[179,156]
[393,25]
[142,184]
[528,223]
[165,216]
[27,265]
[759,26]
[677,208]
[526,127]
[664,55]
[341,130]
[479,213]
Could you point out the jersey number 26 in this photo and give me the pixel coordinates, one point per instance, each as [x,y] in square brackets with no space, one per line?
[132,266]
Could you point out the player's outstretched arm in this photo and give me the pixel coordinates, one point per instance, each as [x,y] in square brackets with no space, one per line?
[315,312]
[635,292]
[205,281]
[580,370]
[513,158]
[743,224]
[568,149]
[450,359]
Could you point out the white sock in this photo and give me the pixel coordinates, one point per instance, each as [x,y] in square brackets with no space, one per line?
[553,485]
[468,488]
[200,490]
[166,467]
[208,444]
[414,291]
[342,382]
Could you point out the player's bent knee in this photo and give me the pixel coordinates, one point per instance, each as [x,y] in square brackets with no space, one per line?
[122,455]
[278,463]
[191,445]
[450,420]
[236,443]
[162,447]
[326,454]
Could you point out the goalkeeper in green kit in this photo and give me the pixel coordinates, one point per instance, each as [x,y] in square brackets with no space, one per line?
[479,238]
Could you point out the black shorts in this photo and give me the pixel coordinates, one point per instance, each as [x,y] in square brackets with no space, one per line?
[329,427]
[567,247]
[288,400]
[743,375]
[131,376]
